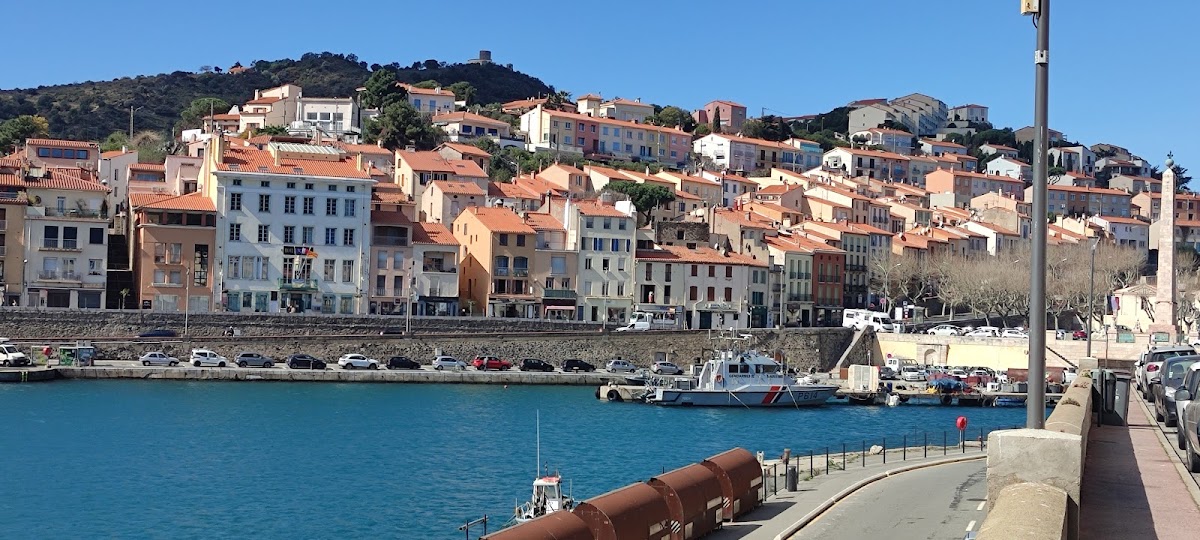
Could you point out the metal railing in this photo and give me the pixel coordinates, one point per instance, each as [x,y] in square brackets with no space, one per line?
[831,459]
[294,284]
[500,271]
[56,275]
[558,293]
[438,268]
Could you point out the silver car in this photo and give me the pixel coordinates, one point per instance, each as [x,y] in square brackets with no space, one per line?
[158,358]
[1191,380]
[248,359]
[448,362]
[1150,364]
[1189,420]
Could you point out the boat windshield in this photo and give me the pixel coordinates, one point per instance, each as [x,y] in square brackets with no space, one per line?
[768,368]
[546,493]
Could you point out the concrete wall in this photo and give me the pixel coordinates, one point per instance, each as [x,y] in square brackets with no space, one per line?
[1044,461]
[337,375]
[999,353]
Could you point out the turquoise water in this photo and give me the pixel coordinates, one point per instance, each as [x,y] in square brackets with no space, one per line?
[133,459]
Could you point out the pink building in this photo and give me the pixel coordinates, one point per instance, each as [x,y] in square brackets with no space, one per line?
[733,115]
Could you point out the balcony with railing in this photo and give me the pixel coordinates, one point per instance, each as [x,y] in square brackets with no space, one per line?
[58,275]
[41,212]
[797,297]
[389,240]
[520,271]
[3,251]
[501,271]
[297,284]
[564,294]
[3,225]
[55,244]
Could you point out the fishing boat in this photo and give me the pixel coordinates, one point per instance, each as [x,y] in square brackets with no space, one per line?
[548,495]
[740,378]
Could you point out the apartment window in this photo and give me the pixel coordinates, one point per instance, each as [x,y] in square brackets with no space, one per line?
[712,294]
[587,263]
[331,206]
[695,270]
[289,204]
[264,203]
[381,260]
[289,234]
[729,272]
[291,185]
[348,237]
[589,222]
[234,268]
[309,203]
[70,238]
[621,224]
[330,268]
[620,264]
[306,235]
[96,236]
[558,265]
[330,236]
[503,239]
[264,184]
[712,271]
[520,240]
[398,260]
[728,294]
[604,264]
[235,202]
[347,271]
[235,232]
[333,188]
[237,181]
[264,233]
[649,271]
[349,208]
[693,293]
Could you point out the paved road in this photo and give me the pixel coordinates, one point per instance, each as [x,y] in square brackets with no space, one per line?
[937,503]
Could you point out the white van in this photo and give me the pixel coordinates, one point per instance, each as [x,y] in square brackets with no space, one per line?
[860,319]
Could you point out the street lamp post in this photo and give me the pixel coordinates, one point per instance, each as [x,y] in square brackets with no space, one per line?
[412,282]
[1035,402]
[1091,297]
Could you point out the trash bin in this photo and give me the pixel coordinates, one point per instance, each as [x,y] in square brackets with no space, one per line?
[793,478]
[1116,393]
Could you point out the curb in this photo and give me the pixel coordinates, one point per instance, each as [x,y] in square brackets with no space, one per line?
[843,494]
[1168,446]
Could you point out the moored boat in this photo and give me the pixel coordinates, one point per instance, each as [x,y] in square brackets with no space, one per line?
[741,378]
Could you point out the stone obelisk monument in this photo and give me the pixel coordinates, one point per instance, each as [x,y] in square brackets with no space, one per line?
[1164,296]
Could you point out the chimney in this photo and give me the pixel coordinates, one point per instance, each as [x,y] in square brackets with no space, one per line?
[410,148]
[257,94]
[275,153]
[359,163]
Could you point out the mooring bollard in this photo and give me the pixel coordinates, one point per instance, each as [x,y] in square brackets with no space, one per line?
[826,461]
[904,451]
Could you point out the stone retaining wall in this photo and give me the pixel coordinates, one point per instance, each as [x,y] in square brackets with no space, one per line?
[336,375]
[801,348]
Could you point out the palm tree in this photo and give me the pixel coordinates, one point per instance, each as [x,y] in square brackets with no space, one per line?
[124,293]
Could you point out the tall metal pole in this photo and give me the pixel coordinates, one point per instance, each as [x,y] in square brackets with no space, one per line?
[1035,403]
[1091,298]
[187,300]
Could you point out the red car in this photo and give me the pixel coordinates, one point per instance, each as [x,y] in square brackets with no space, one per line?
[1078,335]
[484,363]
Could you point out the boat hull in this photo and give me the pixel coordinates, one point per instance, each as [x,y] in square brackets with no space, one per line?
[774,396]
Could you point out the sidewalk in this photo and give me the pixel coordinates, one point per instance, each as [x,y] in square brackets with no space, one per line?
[1131,485]
[786,508]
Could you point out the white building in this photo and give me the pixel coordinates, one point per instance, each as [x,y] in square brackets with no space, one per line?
[292,226]
[1010,167]
[328,118]
[892,140]
[717,289]
[604,236]
[1125,231]
[969,113]
[727,152]
[66,239]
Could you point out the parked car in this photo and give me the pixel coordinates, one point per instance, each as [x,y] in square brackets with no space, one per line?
[618,364]
[486,362]
[1078,335]
[534,364]
[1191,383]
[248,359]
[1014,333]
[357,361]
[575,364]
[984,331]
[402,362]
[959,374]
[1189,419]
[304,361]
[1173,371]
[448,362]
[158,358]
[159,332]
[1150,363]
[205,357]
[10,355]
[912,373]
[391,331]
[888,374]
[945,330]
[663,367]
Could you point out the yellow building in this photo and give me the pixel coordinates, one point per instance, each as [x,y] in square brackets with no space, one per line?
[498,249]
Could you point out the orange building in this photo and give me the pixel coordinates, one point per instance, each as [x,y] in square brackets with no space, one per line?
[174,237]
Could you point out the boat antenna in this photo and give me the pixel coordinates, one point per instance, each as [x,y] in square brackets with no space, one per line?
[538,419]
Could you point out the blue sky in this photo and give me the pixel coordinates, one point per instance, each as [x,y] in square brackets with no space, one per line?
[1121,72]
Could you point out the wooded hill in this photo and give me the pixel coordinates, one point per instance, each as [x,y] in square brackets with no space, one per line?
[92,110]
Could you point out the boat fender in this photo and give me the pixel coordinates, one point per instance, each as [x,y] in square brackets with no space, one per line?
[720,379]
[613,395]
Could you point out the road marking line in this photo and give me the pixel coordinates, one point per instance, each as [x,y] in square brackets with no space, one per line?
[971,525]
[981,505]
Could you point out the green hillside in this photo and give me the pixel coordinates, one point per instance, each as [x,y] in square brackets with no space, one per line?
[92,110]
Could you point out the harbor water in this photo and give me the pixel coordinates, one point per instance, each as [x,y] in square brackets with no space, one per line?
[152,459]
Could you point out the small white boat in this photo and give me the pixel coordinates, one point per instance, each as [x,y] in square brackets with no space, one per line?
[547,497]
[734,378]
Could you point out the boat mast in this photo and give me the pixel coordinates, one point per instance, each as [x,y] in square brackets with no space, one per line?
[537,470]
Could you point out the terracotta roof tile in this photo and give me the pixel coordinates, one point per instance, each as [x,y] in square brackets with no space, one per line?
[509,190]
[468,150]
[195,202]
[451,187]
[388,193]
[464,116]
[113,153]
[148,167]
[498,219]
[62,143]
[543,222]
[425,91]
[54,179]
[264,101]
[433,233]
[432,161]
[252,160]
[745,219]
[597,209]
[365,149]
